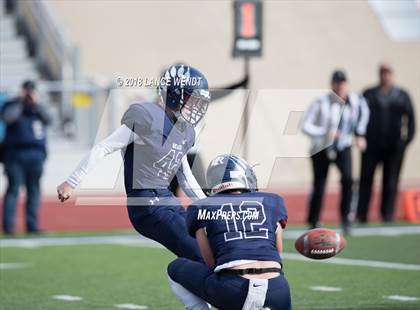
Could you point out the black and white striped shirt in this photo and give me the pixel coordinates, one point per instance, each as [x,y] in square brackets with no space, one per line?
[328,114]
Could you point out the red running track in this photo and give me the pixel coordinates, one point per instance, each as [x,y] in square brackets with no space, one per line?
[56,216]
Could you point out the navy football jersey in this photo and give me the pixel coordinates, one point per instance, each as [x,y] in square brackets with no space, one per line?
[151,161]
[239,226]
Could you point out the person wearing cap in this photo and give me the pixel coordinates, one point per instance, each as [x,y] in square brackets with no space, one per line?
[391,129]
[331,122]
[24,153]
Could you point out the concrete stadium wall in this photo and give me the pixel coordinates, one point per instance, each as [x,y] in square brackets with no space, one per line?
[303,42]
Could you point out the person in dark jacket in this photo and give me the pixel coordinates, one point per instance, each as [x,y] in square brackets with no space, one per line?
[390,129]
[24,153]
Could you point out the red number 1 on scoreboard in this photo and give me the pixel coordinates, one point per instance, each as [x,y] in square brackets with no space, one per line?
[248,20]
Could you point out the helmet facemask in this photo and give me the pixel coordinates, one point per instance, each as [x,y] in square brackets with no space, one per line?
[184,90]
[194,105]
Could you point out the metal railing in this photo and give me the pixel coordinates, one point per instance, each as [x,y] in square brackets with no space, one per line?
[53,51]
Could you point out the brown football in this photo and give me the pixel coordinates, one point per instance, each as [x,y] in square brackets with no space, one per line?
[320,243]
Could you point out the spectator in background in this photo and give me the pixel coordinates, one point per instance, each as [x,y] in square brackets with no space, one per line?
[334,117]
[391,128]
[3,99]
[24,153]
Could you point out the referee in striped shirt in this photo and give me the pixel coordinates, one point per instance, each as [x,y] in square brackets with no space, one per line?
[331,122]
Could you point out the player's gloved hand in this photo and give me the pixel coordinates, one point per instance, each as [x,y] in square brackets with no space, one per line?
[64,191]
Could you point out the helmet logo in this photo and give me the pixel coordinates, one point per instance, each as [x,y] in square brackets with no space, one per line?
[230,172]
[217,161]
[235,174]
[173,72]
[181,77]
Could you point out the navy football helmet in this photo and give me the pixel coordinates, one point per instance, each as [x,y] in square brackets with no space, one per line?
[227,172]
[185,90]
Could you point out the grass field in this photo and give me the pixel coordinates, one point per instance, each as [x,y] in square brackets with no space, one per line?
[108,275]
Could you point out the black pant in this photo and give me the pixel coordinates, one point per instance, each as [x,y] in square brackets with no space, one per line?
[28,173]
[226,291]
[320,165]
[391,159]
[159,215]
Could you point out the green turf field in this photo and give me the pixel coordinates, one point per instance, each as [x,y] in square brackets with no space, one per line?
[107,275]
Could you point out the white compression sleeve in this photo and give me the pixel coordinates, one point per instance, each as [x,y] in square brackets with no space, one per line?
[188,182]
[116,141]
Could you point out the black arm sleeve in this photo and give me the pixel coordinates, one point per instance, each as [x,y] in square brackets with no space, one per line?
[11,111]
[411,121]
[43,115]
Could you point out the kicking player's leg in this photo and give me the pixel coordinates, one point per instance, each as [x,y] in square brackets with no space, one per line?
[225,292]
[173,232]
[161,218]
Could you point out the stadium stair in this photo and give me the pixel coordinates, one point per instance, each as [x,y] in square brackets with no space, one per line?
[15,63]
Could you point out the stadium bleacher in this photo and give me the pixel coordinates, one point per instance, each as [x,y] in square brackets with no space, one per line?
[15,63]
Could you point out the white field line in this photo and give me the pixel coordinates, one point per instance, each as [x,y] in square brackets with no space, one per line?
[67,297]
[326,288]
[354,262]
[139,240]
[386,231]
[69,241]
[366,231]
[131,306]
[144,242]
[401,298]
[136,240]
[4,266]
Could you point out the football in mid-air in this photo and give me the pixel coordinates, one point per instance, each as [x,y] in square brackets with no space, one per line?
[320,243]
